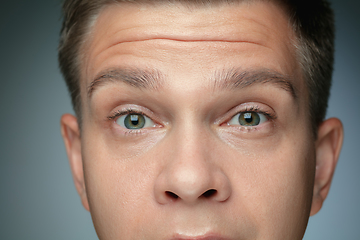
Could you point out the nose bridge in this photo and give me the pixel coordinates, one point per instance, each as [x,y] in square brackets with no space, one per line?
[190,173]
[190,164]
[190,139]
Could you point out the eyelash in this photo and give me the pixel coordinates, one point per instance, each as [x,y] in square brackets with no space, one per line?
[252,109]
[256,109]
[120,113]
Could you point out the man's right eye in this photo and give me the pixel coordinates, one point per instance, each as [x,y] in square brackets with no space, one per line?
[135,121]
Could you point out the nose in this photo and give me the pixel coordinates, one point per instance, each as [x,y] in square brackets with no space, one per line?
[191,172]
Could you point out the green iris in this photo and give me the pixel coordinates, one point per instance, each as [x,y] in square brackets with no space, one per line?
[249,119]
[134,121]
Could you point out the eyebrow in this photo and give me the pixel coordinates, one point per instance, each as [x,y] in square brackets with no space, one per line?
[138,78]
[237,78]
[234,78]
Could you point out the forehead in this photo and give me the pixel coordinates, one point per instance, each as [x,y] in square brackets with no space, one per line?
[227,22]
[258,31]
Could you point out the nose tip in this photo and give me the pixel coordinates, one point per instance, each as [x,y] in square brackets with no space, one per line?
[188,184]
[191,184]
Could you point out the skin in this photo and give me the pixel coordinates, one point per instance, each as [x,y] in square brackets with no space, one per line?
[194,172]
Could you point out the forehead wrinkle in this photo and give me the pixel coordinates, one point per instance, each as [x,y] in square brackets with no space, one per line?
[237,78]
[150,26]
[134,77]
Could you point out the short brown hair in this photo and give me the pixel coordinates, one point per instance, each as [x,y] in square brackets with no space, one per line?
[312,22]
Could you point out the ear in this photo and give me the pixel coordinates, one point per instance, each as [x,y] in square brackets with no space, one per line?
[71,135]
[328,146]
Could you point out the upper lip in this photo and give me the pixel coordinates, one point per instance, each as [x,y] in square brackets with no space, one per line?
[199,238]
[204,237]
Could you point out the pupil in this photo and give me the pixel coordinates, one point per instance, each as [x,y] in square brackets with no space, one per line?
[248,117]
[134,119]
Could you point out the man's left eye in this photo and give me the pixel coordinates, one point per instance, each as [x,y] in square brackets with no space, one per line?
[248,119]
[135,121]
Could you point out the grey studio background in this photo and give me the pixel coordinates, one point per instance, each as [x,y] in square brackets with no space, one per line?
[37,196]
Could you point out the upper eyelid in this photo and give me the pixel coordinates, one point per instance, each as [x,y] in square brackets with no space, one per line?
[249,107]
[254,109]
[127,111]
[257,110]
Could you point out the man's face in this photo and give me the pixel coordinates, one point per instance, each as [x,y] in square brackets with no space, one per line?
[195,125]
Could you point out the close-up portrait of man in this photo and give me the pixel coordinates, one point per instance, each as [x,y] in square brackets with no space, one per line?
[199,119]
[180,120]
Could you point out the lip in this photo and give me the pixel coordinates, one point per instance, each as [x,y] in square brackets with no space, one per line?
[200,238]
[203,237]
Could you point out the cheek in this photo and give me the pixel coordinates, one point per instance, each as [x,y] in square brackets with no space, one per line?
[288,184]
[274,184]
[119,189]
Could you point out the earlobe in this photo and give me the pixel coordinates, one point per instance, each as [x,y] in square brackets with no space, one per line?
[71,135]
[328,146]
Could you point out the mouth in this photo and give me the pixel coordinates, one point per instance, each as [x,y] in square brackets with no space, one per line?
[204,237]
[199,238]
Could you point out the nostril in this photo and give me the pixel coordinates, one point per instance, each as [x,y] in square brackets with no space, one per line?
[209,193]
[171,195]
